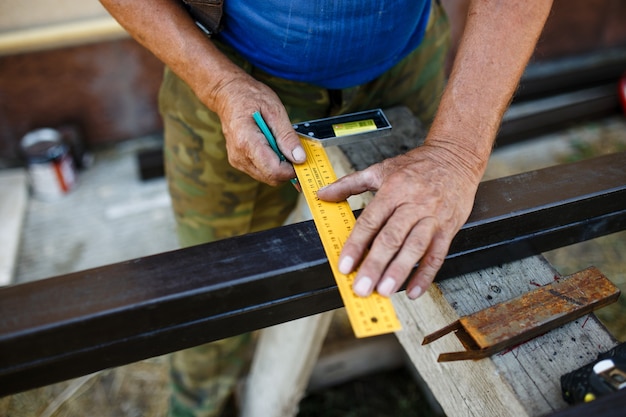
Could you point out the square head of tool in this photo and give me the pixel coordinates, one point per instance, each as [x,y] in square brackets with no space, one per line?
[347,128]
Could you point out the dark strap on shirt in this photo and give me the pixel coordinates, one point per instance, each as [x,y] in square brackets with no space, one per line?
[207,14]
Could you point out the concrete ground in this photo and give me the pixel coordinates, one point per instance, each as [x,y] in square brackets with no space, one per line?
[111,216]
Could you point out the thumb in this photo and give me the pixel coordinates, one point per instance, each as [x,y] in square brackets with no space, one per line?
[286,138]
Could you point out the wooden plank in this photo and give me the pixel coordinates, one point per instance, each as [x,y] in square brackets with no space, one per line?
[285,357]
[524,381]
[14,192]
[350,358]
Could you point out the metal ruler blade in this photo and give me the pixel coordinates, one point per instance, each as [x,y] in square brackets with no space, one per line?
[369,316]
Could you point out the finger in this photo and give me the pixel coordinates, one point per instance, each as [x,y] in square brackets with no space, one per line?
[386,233]
[290,145]
[352,184]
[414,247]
[429,265]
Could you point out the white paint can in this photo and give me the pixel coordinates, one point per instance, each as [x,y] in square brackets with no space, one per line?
[50,165]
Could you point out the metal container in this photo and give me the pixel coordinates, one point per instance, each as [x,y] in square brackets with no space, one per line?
[50,165]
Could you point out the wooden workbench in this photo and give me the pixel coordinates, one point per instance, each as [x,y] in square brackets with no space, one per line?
[523,381]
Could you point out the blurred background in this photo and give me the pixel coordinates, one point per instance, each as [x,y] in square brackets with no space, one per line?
[67,65]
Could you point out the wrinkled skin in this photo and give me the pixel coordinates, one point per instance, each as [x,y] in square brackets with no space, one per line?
[422,200]
[245,143]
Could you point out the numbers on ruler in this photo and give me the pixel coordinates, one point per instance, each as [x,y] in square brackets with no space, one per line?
[335,222]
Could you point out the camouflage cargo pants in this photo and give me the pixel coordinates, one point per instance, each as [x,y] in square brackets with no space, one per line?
[212,200]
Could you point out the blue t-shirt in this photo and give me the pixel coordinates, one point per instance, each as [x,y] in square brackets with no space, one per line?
[330,43]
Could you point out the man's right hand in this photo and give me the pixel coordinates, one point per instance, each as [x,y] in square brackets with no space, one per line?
[220,84]
[236,99]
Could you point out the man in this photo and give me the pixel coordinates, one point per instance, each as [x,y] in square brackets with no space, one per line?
[298,60]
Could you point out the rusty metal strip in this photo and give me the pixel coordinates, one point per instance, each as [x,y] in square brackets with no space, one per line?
[516,321]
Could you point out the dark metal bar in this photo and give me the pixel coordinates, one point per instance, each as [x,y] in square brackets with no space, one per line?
[150,164]
[528,119]
[571,73]
[75,324]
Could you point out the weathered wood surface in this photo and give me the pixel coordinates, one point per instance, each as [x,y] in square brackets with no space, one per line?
[283,363]
[534,313]
[522,381]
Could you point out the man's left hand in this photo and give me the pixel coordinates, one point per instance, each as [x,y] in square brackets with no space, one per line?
[422,200]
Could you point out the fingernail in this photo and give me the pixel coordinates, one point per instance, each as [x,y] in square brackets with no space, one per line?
[298,154]
[363,287]
[386,287]
[346,264]
[415,293]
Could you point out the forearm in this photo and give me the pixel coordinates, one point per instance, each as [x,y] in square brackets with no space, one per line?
[499,38]
[166,29]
